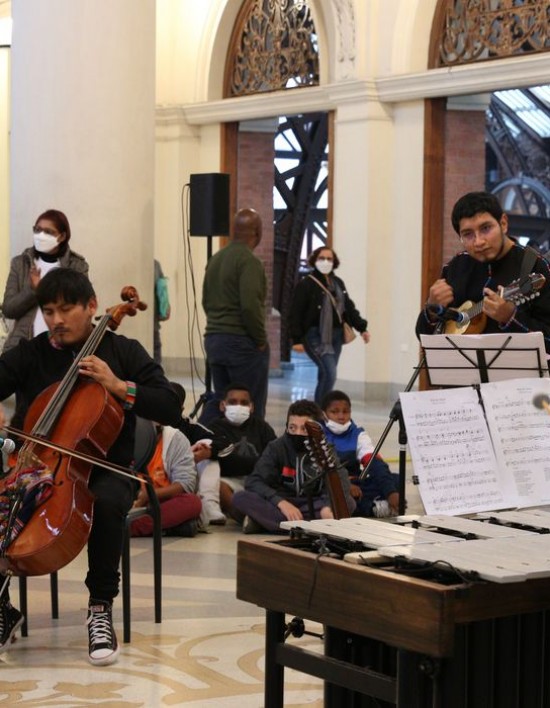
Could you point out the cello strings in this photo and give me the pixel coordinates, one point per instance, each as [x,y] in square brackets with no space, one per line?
[51,412]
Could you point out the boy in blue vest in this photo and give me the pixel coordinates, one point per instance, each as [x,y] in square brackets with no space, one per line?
[377,494]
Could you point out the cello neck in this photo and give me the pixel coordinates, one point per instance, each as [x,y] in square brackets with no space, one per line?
[51,412]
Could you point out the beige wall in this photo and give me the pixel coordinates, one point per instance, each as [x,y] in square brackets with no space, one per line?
[4,167]
[5,38]
[83,138]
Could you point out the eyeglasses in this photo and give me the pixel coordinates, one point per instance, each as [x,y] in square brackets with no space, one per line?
[44,229]
[468,237]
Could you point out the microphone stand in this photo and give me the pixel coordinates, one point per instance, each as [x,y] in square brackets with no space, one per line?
[207,396]
[396,414]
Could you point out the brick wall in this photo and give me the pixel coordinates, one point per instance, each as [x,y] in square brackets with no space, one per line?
[255,190]
[464,166]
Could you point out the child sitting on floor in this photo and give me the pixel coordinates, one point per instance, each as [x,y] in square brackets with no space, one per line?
[286,483]
[377,494]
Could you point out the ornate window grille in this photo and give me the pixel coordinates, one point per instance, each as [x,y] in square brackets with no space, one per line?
[467,31]
[273,46]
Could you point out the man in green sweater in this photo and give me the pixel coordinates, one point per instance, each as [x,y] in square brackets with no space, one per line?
[233,298]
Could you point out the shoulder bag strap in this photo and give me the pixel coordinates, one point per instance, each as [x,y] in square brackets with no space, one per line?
[331,296]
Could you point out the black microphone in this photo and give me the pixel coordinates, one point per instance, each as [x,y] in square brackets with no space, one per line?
[542,401]
[7,445]
[446,314]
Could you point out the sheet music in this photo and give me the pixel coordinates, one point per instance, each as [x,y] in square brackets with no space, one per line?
[452,360]
[452,453]
[521,435]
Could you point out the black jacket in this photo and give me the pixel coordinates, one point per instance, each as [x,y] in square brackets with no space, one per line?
[32,365]
[307,304]
[249,439]
[282,473]
[468,277]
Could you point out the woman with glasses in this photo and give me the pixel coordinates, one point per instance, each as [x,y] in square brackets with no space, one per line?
[50,249]
[481,274]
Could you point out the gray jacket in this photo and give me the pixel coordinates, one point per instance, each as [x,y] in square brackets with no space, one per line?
[19,298]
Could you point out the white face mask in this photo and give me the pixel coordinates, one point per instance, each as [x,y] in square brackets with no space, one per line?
[338,428]
[324,266]
[45,243]
[237,415]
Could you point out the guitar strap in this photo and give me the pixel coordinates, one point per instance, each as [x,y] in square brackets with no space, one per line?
[529,259]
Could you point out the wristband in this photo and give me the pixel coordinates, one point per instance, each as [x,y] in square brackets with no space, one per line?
[130,395]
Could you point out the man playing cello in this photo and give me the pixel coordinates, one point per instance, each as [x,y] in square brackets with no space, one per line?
[122,367]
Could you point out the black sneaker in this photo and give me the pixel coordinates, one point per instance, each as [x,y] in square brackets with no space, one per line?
[251,526]
[10,621]
[188,529]
[102,642]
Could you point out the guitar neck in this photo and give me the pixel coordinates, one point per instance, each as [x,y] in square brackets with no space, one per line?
[474,310]
[326,461]
[337,497]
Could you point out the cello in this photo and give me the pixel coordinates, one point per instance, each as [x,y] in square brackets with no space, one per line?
[69,427]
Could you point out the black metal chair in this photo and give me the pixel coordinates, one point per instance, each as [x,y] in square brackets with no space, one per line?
[144,448]
[146,440]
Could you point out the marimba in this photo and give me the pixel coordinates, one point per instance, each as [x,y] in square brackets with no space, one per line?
[447,612]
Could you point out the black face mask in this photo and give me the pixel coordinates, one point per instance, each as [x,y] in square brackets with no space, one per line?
[298,441]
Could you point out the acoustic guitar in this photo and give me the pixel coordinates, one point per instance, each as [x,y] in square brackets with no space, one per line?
[516,293]
[325,458]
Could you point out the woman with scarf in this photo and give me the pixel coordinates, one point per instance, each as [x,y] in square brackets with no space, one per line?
[51,236]
[321,307]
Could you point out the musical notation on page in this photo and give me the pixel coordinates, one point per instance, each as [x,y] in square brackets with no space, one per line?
[453,454]
[481,450]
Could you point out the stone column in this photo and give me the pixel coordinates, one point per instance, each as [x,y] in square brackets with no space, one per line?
[82,140]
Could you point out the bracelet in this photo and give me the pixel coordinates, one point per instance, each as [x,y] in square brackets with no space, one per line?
[511,319]
[130,395]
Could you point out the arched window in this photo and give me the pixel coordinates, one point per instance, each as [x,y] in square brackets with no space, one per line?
[273,46]
[466,31]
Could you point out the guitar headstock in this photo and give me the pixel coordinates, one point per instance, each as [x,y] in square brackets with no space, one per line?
[523,290]
[317,444]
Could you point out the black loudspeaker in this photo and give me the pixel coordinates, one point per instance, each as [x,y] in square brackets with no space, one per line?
[209,204]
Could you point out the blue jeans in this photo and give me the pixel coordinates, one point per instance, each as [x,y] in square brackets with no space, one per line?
[327,364]
[235,358]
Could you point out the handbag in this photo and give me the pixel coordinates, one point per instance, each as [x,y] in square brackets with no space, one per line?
[348,333]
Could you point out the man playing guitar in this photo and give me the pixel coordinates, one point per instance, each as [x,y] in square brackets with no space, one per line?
[490,261]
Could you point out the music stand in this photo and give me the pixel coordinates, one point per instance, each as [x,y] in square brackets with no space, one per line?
[467,359]
[463,360]
[397,414]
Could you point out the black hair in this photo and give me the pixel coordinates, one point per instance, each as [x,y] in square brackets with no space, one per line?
[305,408]
[475,203]
[314,255]
[180,392]
[237,386]
[332,396]
[64,284]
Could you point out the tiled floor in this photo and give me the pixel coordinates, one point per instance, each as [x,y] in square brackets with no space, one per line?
[208,651]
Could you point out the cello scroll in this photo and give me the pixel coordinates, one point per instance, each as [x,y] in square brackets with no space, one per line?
[130,306]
